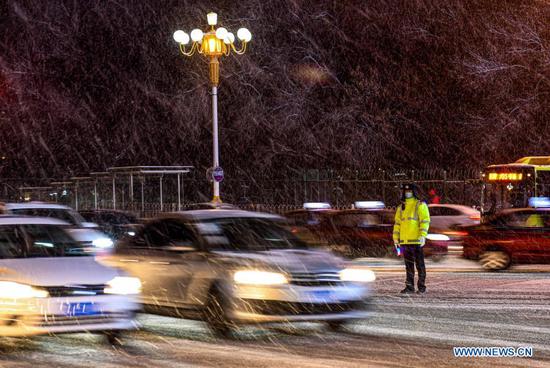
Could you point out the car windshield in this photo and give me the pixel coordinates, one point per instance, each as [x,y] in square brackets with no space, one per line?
[44,241]
[67,215]
[247,234]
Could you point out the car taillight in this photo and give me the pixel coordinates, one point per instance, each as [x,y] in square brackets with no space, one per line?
[475,217]
[456,233]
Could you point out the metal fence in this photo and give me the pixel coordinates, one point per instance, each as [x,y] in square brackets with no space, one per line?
[339,187]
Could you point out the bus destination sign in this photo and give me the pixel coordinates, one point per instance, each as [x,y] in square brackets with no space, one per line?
[509,176]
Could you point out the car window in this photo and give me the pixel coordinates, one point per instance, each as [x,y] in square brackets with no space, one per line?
[305,218]
[522,219]
[108,218]
[534,220]
[300,219]
[539,219]
[179,234]
[155,235]
[247,234]
[357,220]
[118,218]
[435,211]
[52,241]
[11,242]
[444,211]
[452,212]
[71,217]
[88,216]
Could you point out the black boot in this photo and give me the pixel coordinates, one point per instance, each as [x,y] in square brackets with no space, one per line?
[407,290]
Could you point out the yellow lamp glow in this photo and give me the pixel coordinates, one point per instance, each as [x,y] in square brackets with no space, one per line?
[212,45]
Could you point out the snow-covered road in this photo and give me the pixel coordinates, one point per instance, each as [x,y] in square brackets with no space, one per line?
[460,309]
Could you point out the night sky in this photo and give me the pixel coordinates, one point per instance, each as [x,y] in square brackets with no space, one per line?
[86,85]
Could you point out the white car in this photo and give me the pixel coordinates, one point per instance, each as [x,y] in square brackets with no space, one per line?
[446,216]
[232,267]
[81,230]
[51,284]
[446,220]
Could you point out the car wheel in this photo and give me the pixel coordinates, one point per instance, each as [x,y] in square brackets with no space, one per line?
[114,337]
[494,260]
[215,315]
[336,325]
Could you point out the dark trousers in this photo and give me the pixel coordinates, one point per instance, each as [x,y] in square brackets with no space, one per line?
[415,254]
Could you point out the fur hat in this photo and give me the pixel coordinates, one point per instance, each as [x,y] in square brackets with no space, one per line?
[409,186]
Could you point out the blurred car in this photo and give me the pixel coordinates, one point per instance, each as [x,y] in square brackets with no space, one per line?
[231,267]
[366,231]
[306,223]
[513,236]
[114,223]
[449,216]
[448,220]
[84,232]
[51,284]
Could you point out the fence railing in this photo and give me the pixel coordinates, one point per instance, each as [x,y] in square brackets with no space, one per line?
[339,187]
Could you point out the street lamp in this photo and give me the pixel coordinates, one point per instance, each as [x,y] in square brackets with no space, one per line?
[213,44]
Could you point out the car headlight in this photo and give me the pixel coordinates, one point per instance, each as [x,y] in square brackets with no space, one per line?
[122,285]
[102,243]
[14,290]
[438,237]
[251,277]
[357,275]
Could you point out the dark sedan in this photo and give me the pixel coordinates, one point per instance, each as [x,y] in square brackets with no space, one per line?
[364,232]
[368,233]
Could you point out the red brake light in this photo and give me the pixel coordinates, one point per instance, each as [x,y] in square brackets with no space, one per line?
[475,217]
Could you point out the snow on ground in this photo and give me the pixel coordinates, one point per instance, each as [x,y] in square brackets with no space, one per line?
[460,309]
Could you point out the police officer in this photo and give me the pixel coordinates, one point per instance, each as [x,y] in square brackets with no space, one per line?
[412,221]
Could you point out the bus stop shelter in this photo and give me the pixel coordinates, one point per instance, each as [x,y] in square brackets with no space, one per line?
[128,175]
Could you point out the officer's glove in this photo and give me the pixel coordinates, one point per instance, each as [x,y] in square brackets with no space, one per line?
[397,248]
[422,241]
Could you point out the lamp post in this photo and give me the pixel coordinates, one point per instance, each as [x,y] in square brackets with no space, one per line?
[213,44]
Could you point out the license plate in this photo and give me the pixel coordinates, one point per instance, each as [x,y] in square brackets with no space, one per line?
[81,309]
[322,294]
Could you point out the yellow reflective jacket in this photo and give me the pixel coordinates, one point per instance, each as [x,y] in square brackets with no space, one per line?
[412,222]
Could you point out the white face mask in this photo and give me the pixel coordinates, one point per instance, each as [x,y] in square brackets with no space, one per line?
[408,195]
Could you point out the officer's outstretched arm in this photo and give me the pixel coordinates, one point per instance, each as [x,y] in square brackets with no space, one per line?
[424,218]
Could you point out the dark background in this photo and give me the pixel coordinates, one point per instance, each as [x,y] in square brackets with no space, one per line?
[86,85]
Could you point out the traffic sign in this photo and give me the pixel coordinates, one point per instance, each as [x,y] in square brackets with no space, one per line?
[217,174]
